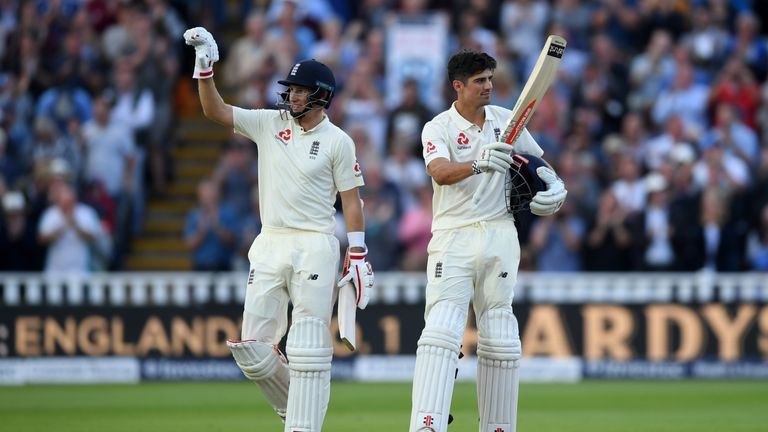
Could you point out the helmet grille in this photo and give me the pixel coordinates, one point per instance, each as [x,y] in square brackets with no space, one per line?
[522,182]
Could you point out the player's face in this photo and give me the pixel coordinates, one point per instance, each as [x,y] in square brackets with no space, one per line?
[298,97]
[477,90]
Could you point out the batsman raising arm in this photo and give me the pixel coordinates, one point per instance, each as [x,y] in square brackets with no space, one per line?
[303,161]
[474,252]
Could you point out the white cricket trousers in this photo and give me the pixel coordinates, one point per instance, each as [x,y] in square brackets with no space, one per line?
[477,262]
[288,264]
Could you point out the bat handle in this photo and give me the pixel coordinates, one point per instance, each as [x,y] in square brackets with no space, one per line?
[481,189]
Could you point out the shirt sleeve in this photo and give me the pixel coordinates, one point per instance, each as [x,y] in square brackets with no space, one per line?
[346,170]
[433,142]
[88,219]
[527,144]
[249,123]
[126,144]
[144,112]
[50,221]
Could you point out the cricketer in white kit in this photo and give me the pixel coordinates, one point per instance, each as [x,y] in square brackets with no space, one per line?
[303,161]
[474,252]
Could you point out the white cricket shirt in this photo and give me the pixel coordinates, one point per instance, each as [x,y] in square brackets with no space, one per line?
[451,136]
[299,171]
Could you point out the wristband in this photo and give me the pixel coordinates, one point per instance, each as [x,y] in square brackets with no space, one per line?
[356,239]
[475,169]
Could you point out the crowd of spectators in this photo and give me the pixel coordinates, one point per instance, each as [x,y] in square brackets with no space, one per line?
[657,122]
[85,119]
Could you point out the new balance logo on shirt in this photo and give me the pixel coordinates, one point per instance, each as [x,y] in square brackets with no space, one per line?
[313,276]
[503,275]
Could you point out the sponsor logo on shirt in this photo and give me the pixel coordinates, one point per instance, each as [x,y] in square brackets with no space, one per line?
[284,136]
[358,173]
[463,142]
[497,132]
[429,148]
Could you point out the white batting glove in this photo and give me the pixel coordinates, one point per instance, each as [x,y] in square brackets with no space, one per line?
[493,156]
[548,202]
[206,51]
[359,273]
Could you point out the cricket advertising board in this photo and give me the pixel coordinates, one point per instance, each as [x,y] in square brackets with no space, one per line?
[653,340]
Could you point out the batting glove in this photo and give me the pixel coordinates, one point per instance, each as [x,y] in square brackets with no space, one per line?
[493,156]
[549,201]
[206,51]
[359,273]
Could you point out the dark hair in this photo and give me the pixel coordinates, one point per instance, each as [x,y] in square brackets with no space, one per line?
[466,63]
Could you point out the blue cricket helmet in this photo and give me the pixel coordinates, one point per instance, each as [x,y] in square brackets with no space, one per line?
[313,75]
[522,182]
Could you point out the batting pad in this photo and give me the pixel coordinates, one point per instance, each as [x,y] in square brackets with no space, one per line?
[309,360]
[262,364]
[436,359]
[498,357]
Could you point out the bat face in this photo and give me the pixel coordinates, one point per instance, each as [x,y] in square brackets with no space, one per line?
[538,82]
[513,130]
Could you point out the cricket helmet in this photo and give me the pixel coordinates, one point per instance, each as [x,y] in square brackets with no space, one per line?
[315,76]
[522,182]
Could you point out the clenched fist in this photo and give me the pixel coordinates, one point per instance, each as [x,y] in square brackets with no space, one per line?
[493,157]
[359,273]
[206,51]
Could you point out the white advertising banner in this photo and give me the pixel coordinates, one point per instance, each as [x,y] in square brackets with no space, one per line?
[417,48]
[532,369]
[69,370]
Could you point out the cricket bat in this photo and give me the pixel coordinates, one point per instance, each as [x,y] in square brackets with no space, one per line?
[541,77]
[347,310]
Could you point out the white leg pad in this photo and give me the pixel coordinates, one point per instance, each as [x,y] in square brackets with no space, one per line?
[498,352]
[309,360]
[264,365]
[436,358]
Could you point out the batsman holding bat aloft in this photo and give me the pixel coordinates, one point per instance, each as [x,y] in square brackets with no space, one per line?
[303,161]
[474,252]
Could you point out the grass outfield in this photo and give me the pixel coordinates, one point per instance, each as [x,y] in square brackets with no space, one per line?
[593,406]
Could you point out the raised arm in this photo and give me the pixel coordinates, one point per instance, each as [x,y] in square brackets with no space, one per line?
[206,54]
[214,106]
